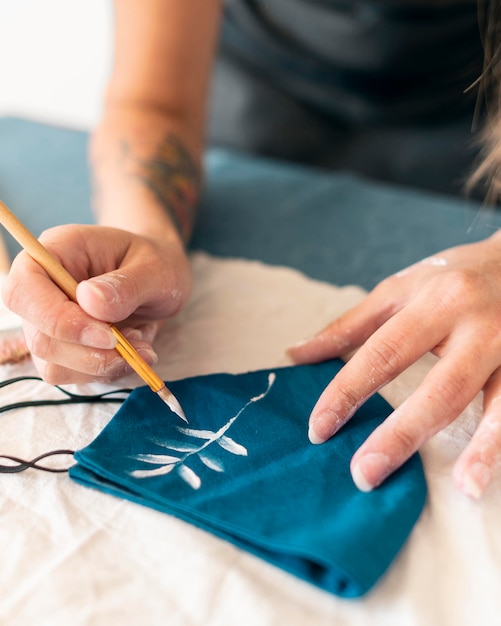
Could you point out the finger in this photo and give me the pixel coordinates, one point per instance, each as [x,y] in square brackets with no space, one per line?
[60,375]
[146,332]
[116,295]
[387,353]
[56,359]
[31,294]
[353,327]
[445,392]
[481,459]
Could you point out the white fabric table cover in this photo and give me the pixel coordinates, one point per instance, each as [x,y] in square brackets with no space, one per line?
[71,555]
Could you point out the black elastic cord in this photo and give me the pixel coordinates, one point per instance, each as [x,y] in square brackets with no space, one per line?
[71,398]
[22,464]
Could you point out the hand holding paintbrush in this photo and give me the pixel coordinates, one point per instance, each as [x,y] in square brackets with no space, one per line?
[69,285]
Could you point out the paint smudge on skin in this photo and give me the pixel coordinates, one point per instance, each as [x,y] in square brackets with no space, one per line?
[435,261]
[184,450]
[335,342]
[403,272]
[111,283]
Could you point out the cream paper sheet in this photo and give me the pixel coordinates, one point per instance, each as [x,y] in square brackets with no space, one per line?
[71,555]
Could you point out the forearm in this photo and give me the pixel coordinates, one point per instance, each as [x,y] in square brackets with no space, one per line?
[145,178]
[146,154]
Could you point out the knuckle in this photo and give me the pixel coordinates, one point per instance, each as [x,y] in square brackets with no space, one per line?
[386,356]
[455,285]
[62,322]
[450,394]
[60,326]
[404,439]
[177,294]
[348,397]
[40,345]
[178,299]
[100,365]
[175,287]
[386,284]
[105,365]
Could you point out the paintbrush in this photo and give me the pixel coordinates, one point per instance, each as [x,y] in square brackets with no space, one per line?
[13,347]
[68,284]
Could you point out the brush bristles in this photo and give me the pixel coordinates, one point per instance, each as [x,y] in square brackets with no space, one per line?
[172,402]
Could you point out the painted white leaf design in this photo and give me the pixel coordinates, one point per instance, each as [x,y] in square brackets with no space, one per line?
[159,459]
[211,461]
[271,379]
[176,445]
[187,450]
[189,476]
[199,434]
[232,446]
[158,471]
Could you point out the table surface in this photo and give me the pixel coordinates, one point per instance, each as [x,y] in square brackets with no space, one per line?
[334,226]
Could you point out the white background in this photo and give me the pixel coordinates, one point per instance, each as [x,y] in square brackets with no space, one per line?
[55,57]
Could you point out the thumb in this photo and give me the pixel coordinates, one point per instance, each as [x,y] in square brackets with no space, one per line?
[110,297]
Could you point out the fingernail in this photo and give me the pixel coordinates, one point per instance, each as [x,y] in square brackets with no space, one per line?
[313,437]
[316,341]
[97,337]
[476,479]
[323,425]
[327,419]
[296,352]
[370,470]
[105,288]
[301,343]
[150,356]
[132,334]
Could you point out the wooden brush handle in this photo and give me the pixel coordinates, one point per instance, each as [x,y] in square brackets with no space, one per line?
[63,279]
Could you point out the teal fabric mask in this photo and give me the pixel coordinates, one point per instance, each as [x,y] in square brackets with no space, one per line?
[244,470]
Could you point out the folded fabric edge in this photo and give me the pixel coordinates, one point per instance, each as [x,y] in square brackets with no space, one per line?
[310,568]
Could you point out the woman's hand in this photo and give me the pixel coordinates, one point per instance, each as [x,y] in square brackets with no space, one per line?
[126,279]
[145,157]
[450,305]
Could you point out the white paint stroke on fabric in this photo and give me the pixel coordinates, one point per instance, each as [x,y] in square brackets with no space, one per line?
[168,462]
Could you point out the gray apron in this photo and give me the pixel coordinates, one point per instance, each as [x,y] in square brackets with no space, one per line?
[378,87]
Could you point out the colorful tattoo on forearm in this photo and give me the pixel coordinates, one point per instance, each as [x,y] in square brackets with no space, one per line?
[175,181]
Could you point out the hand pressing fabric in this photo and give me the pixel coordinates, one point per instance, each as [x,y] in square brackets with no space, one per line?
[448,304]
